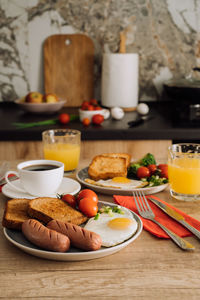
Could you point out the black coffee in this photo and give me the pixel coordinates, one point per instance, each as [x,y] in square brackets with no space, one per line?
[40,167]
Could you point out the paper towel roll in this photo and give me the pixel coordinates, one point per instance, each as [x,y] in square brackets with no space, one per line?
[120,80]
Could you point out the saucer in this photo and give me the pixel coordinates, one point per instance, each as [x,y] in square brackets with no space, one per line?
[68,186]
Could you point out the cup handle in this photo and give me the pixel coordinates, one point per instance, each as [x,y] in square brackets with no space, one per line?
[9,182]
[106,113]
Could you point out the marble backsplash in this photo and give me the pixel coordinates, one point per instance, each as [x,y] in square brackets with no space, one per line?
[165,34]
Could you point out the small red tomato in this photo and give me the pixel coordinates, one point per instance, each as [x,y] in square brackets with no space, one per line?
[88,207]
[69,199]
[93,102]
[98,108]
[152,168]
[87,193]
[86,122]
[97,119]
[85,105]
[164,170]
[90,107]
[64,118]
[143,172]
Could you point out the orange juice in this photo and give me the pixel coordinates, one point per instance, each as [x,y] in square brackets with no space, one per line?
[184,174]
[67,153]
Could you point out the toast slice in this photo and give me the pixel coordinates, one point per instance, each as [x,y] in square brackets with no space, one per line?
[46,209]
[125,155]
[15,213]
[105,167]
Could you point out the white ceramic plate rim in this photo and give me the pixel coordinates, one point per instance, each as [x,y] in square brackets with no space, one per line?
[107,190]
[77,256]
[8,192]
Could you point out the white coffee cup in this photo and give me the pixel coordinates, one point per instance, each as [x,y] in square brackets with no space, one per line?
[38,177]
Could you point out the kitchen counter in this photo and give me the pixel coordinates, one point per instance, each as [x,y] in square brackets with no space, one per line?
[159,127]
[154,135]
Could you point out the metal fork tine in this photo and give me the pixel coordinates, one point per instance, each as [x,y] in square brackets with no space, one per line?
[142,200]
[145,199]
[136,202]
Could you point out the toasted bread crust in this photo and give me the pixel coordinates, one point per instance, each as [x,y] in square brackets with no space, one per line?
[125,155]
[46,209]
[105,167]
[15,213]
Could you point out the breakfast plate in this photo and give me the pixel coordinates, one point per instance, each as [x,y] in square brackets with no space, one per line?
[68,186]
[83,174]
[74,254]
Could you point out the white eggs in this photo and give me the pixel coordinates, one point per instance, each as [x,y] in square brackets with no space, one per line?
[121,183]
[117,113]
[113,229]
[142,109]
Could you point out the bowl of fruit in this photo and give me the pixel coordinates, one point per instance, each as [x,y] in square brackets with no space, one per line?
[35,102]
[90,108]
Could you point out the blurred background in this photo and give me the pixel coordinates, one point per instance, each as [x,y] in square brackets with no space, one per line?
[165,34]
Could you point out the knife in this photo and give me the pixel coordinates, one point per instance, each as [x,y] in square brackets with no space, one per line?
[176,216]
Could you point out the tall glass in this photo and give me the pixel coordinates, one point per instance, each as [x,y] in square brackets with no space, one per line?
[62,145]
[184,171]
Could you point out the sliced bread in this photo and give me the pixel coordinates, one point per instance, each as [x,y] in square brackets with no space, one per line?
[15,213]
[46,209]
[125,155]
[105,167]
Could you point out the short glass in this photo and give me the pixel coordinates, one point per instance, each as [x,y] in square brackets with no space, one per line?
[62,145]
[184,171]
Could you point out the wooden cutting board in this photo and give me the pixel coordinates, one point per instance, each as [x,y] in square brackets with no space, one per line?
[69,67]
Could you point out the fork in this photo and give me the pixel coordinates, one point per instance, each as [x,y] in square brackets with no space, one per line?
[146,212]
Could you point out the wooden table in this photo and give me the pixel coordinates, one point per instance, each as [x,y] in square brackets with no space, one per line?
[149,268]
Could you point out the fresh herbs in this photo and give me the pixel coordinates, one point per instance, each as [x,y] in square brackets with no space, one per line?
[109,210]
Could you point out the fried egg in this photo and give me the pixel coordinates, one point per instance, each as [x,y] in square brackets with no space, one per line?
[118,182]
[113,229]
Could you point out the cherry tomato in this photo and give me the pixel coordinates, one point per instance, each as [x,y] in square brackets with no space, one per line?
[152,168]
[97,119]
[90,107]
[85,105]
[143,172]
[64,118]
[88,207]
[87,193]
[93,102]
[71,200]
[164,170]
[86,122]
[97,108]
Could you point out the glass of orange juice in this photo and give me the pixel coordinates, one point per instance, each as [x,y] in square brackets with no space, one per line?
[62,145]
[184,171]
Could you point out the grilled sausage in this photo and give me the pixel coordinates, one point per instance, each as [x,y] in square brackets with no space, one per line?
[44,237]
[79,237]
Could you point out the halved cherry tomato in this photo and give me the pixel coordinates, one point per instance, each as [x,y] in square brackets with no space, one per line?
[97,119]
[152,168]
[143,172]
[64,118]
[88,207]
[163,170]
[69,199]
[86,122]
[87,193]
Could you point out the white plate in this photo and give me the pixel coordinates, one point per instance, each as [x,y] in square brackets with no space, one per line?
[83,174]
[38,108]
[74,254]
[68,186]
